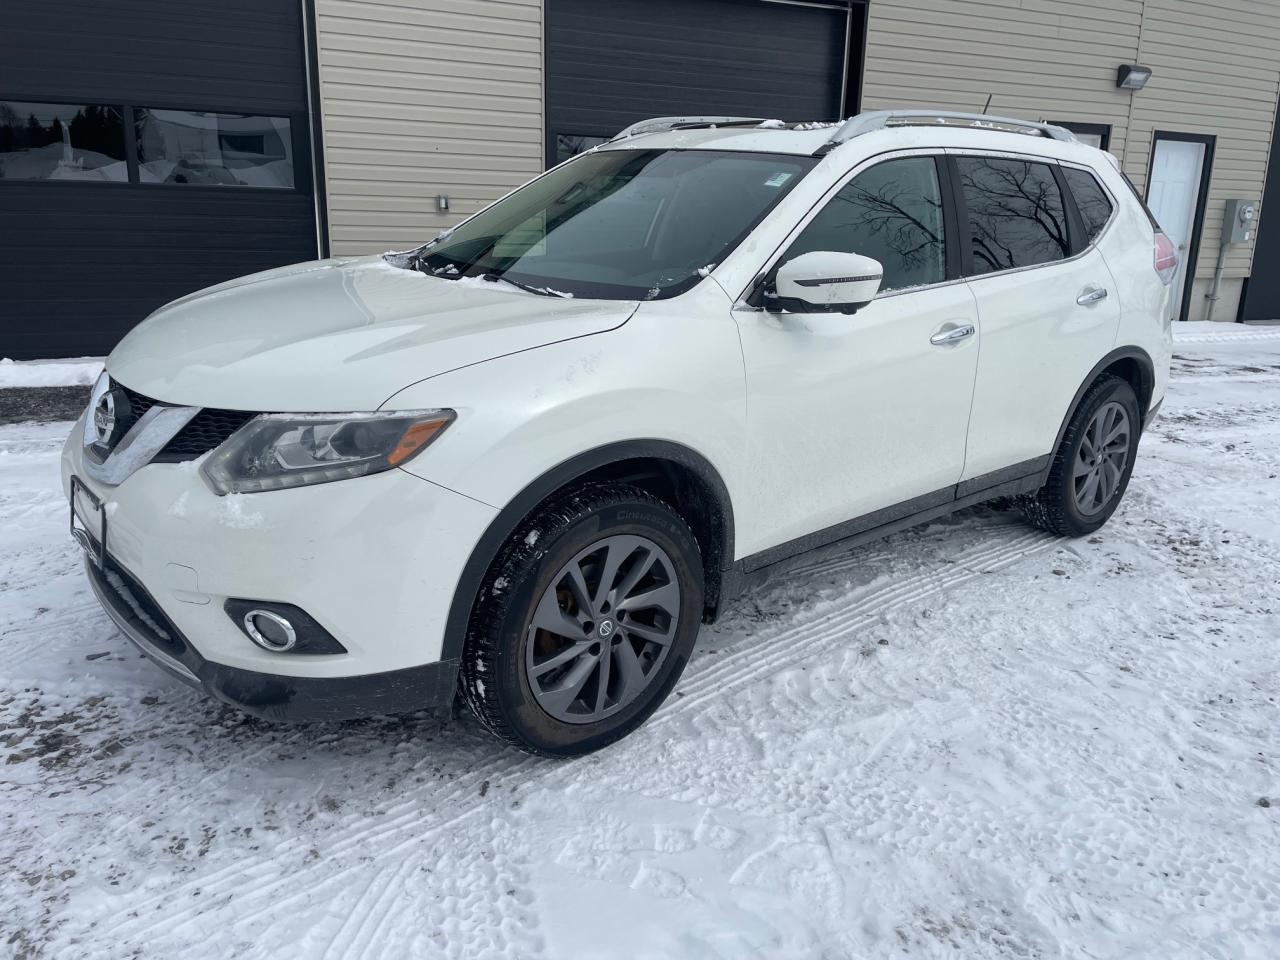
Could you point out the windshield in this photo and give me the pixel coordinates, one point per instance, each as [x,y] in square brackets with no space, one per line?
[618,224]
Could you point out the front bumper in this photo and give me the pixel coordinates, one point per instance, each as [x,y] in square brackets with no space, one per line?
[265,695]
[373,560]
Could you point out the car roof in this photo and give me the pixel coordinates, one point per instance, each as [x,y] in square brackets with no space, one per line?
[799,139]
[809,139]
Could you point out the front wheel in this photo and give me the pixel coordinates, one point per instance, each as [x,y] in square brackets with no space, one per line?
[584,622]
[1091,467]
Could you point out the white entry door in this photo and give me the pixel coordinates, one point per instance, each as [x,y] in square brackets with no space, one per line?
[1173,195]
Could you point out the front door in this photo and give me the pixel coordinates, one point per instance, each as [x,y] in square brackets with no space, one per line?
[852,414]
[1177,169]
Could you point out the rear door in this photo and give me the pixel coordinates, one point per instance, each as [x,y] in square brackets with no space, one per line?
[855,420]
[1047,305]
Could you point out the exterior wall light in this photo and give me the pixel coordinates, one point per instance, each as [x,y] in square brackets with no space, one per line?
[1130,76]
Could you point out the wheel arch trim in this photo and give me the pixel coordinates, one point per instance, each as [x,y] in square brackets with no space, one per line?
[1146,370]
[558,477]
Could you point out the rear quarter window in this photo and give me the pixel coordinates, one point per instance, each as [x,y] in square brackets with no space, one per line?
[1091,200]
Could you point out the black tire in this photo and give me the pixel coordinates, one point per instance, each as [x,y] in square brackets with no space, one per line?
[1054,506]
[495,675]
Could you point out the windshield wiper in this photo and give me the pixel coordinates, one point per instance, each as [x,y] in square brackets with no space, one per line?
[540,291]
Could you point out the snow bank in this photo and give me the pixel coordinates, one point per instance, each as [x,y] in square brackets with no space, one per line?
[1211,331]
[76,372]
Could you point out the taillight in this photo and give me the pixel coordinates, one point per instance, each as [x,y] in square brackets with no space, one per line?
[1166,255]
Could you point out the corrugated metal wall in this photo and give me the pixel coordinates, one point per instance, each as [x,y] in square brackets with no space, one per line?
[1036,58]
[611,64]
[1216,70]
[81,262]
[421,98]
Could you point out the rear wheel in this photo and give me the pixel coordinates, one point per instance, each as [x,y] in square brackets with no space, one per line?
[585,621]
[1091,467]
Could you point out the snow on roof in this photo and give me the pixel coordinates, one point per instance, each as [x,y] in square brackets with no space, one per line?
[768,137]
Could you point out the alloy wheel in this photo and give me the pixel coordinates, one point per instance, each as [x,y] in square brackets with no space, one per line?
[602,629]
[1101,458]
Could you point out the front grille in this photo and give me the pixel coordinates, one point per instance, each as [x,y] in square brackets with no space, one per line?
[138,404]
[206,430]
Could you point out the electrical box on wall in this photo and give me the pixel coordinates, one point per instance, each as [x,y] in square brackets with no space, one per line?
[1239,219]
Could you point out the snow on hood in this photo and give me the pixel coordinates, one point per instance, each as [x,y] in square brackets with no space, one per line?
[337,335]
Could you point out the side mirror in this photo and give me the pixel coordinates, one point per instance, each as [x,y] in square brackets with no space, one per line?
[826,281]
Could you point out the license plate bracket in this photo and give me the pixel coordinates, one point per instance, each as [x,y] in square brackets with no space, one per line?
[97,552]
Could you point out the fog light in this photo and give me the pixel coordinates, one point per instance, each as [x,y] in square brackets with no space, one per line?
[281,627]
[270,631]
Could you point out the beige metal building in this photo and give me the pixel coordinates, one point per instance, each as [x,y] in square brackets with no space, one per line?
[422,99]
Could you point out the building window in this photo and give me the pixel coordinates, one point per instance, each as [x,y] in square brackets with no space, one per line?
[213,149]
[891,213]
[1016,213]
[60,141]
[1093,134]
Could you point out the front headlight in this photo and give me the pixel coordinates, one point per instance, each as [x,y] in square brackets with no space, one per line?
[276,451]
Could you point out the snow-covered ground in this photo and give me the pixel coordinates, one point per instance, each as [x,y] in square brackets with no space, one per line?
[971,740]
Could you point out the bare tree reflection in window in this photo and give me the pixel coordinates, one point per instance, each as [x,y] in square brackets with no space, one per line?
[892,213]
[1016,213]
[1091,201]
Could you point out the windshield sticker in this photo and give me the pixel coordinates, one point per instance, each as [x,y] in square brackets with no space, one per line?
[778,179]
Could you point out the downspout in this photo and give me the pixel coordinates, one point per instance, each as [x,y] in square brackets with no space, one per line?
[1212,295]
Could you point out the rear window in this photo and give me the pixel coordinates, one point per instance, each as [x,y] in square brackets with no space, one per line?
[1091,200]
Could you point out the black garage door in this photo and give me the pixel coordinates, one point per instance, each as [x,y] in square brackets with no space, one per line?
[1261,300]
[609,64]
[147,149]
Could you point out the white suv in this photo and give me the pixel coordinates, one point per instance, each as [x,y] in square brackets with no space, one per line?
[528,458]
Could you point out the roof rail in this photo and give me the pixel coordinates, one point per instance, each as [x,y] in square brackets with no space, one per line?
[658,124]
[880,119]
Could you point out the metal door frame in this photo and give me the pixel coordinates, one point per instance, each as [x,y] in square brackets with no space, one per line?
[1202,202]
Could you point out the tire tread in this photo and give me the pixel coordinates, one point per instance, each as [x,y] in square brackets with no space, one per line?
[551,519]
[1046,507]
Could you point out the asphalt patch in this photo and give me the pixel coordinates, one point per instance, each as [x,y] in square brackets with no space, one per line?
[41,404]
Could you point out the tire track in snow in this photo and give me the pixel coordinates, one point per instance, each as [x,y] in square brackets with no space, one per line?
[805,640]
[372,906]
[264,876]
[740,667]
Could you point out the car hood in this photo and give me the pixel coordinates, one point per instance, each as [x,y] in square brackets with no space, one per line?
[338,335]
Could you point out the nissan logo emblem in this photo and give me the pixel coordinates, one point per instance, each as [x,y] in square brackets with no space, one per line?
[111,416]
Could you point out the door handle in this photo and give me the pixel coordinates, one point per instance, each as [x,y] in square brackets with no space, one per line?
[1096,295]
[954,335]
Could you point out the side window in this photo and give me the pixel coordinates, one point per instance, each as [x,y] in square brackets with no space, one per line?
[893,213]
[1091,200]
[1016,214]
